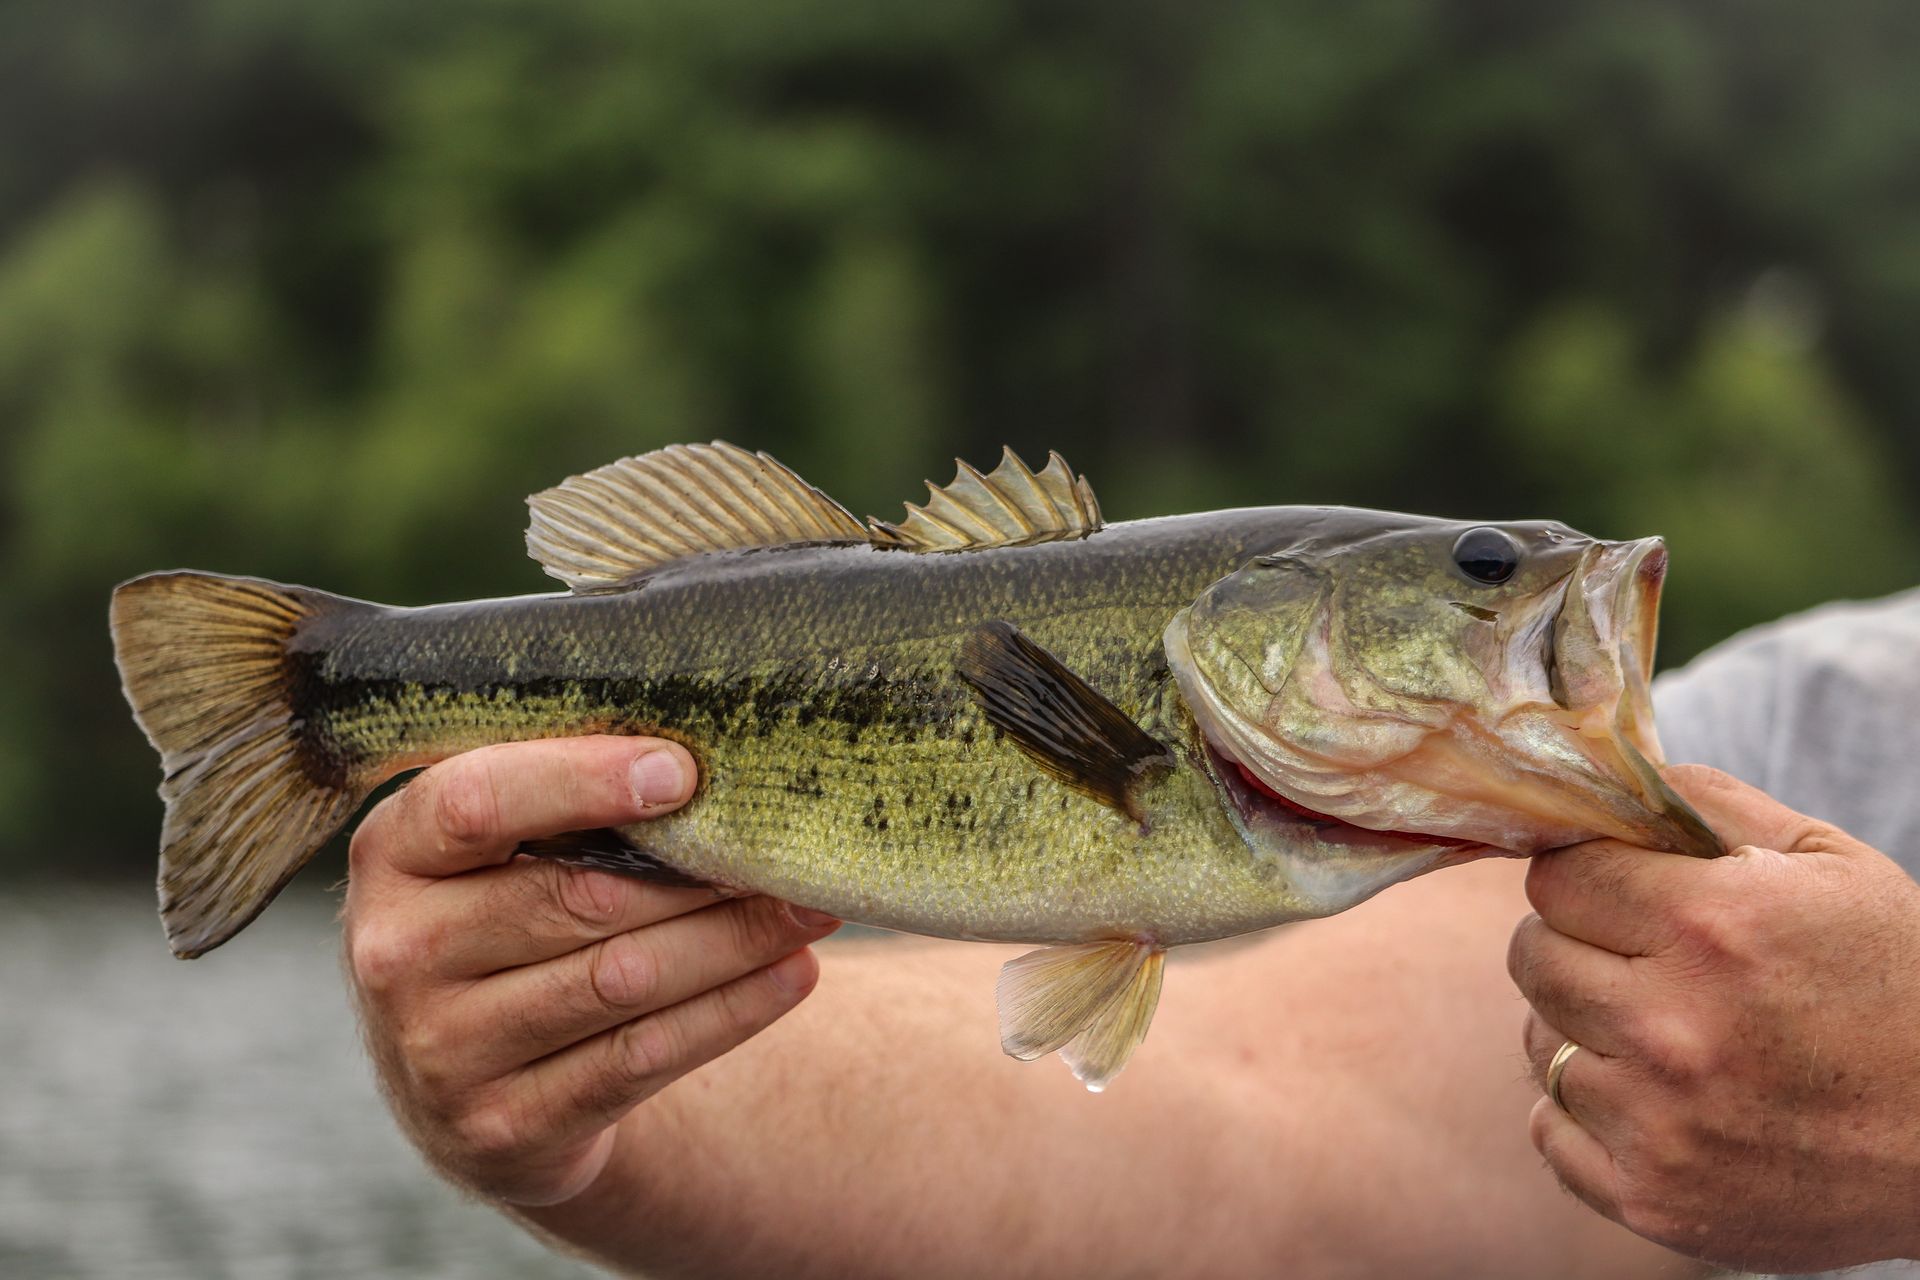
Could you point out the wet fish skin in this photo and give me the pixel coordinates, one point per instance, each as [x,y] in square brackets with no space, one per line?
[998,719]
[844,763]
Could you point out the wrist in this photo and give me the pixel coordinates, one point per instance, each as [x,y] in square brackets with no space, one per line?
[599,1220]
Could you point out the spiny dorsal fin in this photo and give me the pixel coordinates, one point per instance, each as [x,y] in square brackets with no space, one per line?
[1011,507]
[1059,721]
[1091,1001]
[613,524]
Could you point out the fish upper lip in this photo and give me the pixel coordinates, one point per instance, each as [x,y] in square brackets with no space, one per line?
[1627,578]
[1637,597]
[1629,574]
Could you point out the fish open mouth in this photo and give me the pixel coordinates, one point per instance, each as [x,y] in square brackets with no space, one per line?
[1606,627]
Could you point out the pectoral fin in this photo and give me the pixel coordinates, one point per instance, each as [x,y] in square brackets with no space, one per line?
[1092,1002]
[1059,721]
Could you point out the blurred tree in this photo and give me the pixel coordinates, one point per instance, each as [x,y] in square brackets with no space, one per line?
[319,292]
[1747,458]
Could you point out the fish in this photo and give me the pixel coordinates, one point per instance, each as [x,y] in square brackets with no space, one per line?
[1000,718]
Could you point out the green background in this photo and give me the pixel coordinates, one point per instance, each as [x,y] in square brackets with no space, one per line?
[319,292]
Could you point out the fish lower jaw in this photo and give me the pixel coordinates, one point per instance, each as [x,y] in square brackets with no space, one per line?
[1254,797]
[1272,796]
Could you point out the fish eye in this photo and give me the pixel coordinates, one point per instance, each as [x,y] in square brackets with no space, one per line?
[1486,555]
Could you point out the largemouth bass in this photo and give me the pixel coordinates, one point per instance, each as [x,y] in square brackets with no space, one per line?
[999,719]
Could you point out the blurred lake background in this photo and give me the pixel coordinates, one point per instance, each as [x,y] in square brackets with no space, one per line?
[318,292]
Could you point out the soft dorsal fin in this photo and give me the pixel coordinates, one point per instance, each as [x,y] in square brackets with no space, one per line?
[613,524]
[1013,506]
[1091,1001]
[1061,723]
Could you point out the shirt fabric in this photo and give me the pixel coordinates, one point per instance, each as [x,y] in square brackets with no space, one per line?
[1822,712]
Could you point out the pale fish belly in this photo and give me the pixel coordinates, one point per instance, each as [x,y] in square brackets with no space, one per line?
[975,846]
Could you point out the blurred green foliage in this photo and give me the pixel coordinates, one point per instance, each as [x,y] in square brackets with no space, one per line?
[320,291]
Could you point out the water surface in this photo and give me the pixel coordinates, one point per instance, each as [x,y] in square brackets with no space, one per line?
[209,1119]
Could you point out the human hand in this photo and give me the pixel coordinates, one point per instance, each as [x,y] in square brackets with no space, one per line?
[517,1009]
[1745,1092]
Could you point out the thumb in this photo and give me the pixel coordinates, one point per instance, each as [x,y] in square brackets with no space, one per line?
[1744,815]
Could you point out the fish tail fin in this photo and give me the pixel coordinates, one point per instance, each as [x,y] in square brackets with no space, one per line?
[250,793]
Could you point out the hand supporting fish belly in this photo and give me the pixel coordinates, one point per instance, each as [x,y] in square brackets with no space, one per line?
[1000,719]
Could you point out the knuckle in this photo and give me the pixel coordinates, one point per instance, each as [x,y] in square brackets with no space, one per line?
[420,1044]
[382,958]
[489,1133]
[749,1004]
[623,973]
[650,1050]
[1673,1048]
[1665,1156]
[1709,927]
[586,897]
[1810,835]
[466,808]
[1658,1204]
[1650,1218]
[426,1064]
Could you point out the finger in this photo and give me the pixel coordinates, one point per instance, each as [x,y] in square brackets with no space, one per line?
[1594,1086]
[1614,895]
[586,1088]
[1543,1040]
[473,810]
[1577,1158]
[533,909]
[1588,993]
[1744,815]
[544,1008]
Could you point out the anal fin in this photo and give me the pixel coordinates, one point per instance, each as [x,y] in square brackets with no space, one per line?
[1092,1002]
[606,849]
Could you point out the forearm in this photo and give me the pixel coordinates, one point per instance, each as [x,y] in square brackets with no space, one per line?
[1346,1097]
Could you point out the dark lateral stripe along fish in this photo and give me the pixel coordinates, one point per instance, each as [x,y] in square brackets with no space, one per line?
[1000,718]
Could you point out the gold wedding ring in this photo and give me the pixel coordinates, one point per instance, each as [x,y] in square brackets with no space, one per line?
[1558,1068]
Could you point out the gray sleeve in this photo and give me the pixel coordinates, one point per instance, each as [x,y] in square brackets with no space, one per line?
[1821,711]
[1718,710]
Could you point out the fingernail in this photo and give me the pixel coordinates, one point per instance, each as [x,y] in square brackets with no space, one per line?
[658,777]
[807,918]
[798,972]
